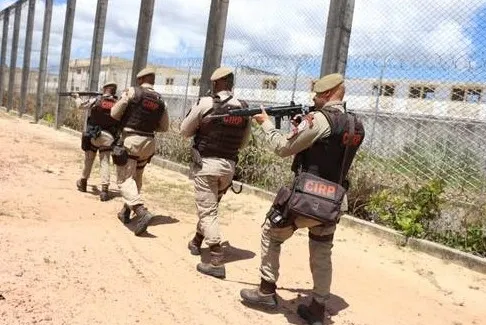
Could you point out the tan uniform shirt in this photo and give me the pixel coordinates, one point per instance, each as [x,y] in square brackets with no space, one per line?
[190,125]
[121,105]
[305,135]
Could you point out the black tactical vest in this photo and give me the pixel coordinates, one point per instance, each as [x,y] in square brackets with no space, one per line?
[100,113]
[145,110]
[221,137]
[325,157]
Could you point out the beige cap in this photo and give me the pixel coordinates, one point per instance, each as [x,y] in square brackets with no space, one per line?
[220,73]
[145,72]
[328,82]
[109,83]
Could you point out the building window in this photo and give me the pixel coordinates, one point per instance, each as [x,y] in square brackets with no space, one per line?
[269,84]
[385,90]
[195,81]
[473,95]
[420,91]
[78,71]
[77,88]
[457,94]
[470,95]
[169,81]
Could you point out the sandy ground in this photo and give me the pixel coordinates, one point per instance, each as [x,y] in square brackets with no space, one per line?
[66,259]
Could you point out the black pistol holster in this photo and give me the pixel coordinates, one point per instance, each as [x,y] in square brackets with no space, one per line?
[92,132]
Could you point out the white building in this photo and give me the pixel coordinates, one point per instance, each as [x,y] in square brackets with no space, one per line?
[443,99]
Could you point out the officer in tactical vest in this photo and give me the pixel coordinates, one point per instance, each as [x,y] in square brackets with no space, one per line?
[142,112]
[323,151]
[216,145]
[99,136]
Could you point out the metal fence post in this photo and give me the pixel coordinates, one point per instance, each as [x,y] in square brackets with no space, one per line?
[338,32]
[65,56]
[213,50]
[96,50]
[41,83]
[143,38]
[97,45]
[13,56]
[27,51]
[187,90]
[3,59]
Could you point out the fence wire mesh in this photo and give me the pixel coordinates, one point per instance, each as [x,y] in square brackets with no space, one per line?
[416,76]
[415,71]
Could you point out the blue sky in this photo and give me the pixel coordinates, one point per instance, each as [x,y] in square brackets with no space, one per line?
[418,39]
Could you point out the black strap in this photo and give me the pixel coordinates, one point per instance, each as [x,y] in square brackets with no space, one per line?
[348,145]
[141,133]
[212,108]
[323,238]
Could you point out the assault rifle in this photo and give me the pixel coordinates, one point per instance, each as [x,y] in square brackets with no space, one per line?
[81,93]
[278,112]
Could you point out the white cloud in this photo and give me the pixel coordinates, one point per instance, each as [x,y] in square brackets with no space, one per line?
[407,28]
[413,28]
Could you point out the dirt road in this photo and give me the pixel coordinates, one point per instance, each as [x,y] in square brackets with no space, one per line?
[66,259]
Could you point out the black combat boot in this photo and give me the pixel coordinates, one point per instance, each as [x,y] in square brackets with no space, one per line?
[216,266]
[313,314]
[144,221]
[104,196]
[195,244]
[263,296]
[124,214]
[82,183]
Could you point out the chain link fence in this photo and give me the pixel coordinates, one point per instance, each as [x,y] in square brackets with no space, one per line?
[415,71]
[416,75]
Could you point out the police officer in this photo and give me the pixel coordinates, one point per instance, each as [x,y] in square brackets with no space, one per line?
[317,143]
[217,142]
[142,112]
[99,136]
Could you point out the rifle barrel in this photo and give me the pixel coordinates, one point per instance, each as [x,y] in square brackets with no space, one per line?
[80,93]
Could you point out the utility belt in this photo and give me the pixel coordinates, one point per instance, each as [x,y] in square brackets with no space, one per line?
[197,161]
[141,133]
[93,131]
[310,196]
[119,153]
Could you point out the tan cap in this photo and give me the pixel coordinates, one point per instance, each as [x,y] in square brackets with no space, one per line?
[145,72]
[109,83]
[328,82]
[220,73]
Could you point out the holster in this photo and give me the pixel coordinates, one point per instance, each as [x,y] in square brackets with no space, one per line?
[119,153]
[85,141]
[278,216]
[92,132]
[196,157]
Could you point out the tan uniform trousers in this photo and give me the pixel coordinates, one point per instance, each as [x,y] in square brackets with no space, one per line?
[103,144]
[209,189]
[129,177]
[319,251]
